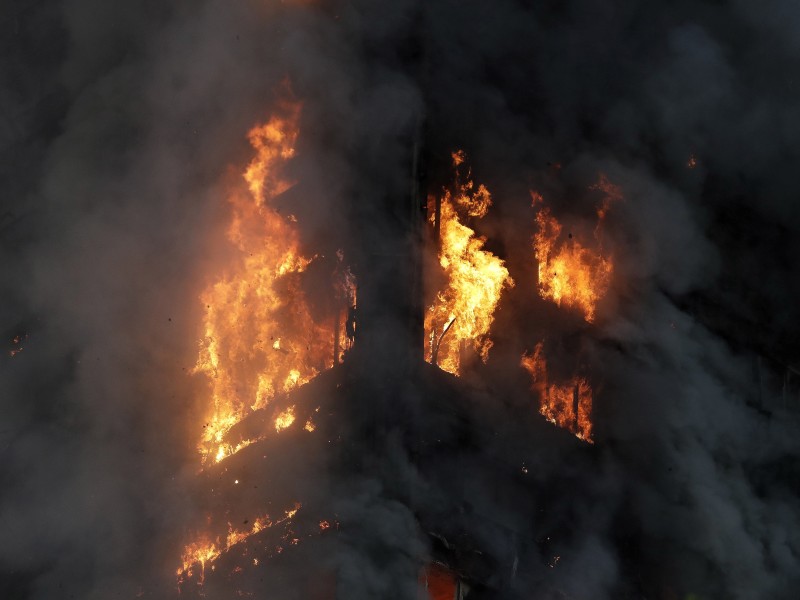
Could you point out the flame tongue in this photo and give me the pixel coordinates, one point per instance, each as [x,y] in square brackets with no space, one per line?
[570,273]
[568,405]
[463,310]
[260,339]
[259,336]
[205,551]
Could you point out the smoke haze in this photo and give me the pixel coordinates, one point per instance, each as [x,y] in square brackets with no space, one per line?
[123,125]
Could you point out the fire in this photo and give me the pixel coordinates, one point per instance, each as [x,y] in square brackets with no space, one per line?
[569,405]
[259,337]
[463,311]
[198,553]
[570,273]
[205,551]
[285,419]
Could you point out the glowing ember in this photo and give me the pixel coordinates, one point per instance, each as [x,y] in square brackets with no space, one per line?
[570,273]
[259,337]
[463,310]
[569,406]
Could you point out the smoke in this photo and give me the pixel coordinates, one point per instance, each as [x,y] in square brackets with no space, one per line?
[122,126]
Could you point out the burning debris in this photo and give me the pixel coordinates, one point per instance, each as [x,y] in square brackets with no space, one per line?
[16,344]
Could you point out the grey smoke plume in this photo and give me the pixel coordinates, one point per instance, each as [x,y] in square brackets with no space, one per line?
[120,124]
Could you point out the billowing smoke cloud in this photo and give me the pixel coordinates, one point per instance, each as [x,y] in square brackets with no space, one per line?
[121,126]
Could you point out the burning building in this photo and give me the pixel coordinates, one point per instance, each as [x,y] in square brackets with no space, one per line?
[387,340]
[431,300]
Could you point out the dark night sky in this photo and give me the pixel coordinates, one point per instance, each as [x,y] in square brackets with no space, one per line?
[121,122]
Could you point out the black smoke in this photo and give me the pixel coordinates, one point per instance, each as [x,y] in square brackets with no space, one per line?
[120,126]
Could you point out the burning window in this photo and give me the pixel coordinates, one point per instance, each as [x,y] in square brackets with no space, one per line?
[575,275]
[462,312]
[440,583]
[260,337]
[572,273]
[566,404]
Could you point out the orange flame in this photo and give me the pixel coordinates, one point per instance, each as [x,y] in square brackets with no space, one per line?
[463,311]
[285,419]
[204,551]
[570,273]
[569,406]
[259,337]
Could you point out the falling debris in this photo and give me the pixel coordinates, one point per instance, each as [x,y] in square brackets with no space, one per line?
[16,343]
